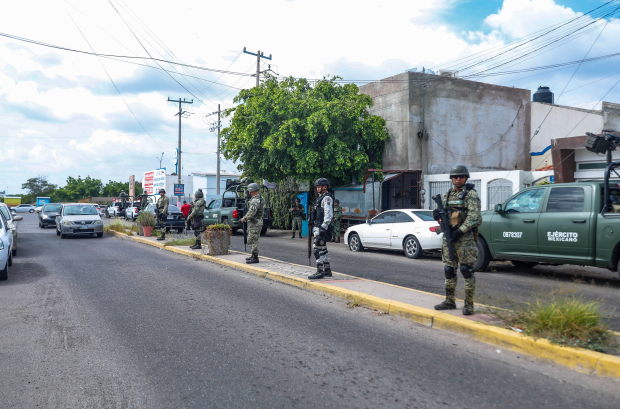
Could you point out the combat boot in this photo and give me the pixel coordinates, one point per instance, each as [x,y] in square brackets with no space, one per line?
[197,246]
[318,275]
[293,236]
[253,259]
[338,240]
[300,235]
[448,303]
[327,269]
[470,289]
[163,236]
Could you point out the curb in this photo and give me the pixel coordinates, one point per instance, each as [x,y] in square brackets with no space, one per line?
[578,359]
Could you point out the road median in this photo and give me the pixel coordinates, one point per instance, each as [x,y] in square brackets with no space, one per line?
[413,305]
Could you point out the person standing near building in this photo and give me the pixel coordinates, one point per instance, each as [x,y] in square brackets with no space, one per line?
[185,209]
[463,207]
[297,212]
[162,213]
[195,217]
[336,222]
[322,215]
[254,219]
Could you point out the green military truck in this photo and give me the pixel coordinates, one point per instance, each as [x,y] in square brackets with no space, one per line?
[229,208]
[569,223]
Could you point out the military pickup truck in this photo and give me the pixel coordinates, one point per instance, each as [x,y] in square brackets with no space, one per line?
[229,208]
[569,223]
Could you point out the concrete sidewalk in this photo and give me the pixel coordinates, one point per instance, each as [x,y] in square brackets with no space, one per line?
[411,304]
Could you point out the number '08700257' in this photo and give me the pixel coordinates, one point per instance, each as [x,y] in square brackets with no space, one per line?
[513,234]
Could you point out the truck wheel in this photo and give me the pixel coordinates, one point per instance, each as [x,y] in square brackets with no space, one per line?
[263,231]
[411,247]
[234,230]
[618,269]
[355,244]
[484,255]
[523,264]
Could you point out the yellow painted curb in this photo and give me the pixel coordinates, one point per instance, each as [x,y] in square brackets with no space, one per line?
[575,358]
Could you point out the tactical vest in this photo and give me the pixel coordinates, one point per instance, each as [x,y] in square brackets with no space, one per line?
[455,205]
[318,213]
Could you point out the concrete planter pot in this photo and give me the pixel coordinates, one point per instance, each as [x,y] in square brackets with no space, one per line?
[218,242]
[148,231]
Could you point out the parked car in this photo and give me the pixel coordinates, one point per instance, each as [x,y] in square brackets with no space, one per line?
[101,209]
[24,208]
[131,212]
[38,209]
[6,243]
[47,216]
[12,220]
[175,219]
[409,230]
[113,210]
[78,218]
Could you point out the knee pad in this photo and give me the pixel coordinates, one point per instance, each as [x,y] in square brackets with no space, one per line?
[467,271]
[196,233]
[317,253]
[448,272]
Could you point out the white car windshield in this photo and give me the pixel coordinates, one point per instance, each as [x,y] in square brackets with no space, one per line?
[79,210]
[51,208]
[5,212]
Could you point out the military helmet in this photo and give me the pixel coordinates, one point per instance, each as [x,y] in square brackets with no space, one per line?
[252,187]
[321,182]
[199,194]
[162,190]
[337,201]
[298,199]
[459,170]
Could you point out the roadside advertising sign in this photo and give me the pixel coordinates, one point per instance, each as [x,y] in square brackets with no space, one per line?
[159,180]
[179,189]
[148,182]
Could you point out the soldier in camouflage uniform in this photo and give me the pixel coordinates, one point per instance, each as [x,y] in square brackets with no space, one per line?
[297,213]
[144,201]
[196,215]
[463,207]
[336,222]
[162,213]
[254,219]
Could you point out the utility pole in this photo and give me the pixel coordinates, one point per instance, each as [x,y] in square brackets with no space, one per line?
[258,55]
[217,125]
[180,114]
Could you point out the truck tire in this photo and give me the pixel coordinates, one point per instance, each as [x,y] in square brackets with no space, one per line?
[484,255]
[234,230]
[618,269]
[411,247]
[355,244]
[263,231]
[523,264]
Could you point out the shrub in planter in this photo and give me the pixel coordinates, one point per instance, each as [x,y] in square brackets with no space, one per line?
[148,231]
[217,237]
[146,223]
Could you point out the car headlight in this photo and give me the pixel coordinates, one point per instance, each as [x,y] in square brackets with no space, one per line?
[97,222]
[67,222]
[44,216]
[1,245]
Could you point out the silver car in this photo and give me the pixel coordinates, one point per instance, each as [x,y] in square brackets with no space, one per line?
[11,220]
[78,218]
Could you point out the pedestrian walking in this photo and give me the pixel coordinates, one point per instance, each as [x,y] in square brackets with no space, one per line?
[254,219]
[195,217]
[297,212]
[162,213]
[336,222]
[463,207]
[322,215]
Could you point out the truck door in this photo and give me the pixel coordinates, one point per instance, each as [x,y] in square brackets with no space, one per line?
[377,233]
[212,211]
[514,232]
[564,226]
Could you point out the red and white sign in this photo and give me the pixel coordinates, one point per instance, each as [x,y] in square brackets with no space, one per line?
[148,182]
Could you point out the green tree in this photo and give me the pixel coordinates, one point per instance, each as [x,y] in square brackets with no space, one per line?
[290,128]
[37,187]
[113,188]
[79,188]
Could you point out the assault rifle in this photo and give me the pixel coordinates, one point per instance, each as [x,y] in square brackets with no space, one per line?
[310,231]
[245,226]
[444,222]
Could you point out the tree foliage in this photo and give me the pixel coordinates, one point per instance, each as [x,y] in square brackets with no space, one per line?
[74,190]
[37,187]
[290,128]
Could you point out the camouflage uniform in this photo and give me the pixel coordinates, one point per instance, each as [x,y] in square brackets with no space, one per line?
[195,216]
[162,212]
[336,222]
[144,201]
[297,213]
[254,219]
[465,216]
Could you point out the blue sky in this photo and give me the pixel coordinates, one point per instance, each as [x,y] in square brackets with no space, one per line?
[61,116]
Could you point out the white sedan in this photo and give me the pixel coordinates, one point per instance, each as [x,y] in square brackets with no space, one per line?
[24,208]
[409,230]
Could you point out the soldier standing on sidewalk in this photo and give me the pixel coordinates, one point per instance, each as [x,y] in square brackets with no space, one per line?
[254,219]
[336,222]
[162,213]
[297,213]
[463,206]
[195,216]
[322,215]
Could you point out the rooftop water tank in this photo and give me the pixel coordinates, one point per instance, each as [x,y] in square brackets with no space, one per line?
[543,94]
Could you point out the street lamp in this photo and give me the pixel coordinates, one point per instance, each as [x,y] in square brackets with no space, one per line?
[162,156]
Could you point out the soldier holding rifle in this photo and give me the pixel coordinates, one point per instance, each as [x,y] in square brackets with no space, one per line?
[297,212]
[195,217]
[458,212]
[162,213]
[254,219]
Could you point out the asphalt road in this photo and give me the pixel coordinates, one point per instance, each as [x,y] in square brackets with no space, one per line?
[502,285]
[91,322]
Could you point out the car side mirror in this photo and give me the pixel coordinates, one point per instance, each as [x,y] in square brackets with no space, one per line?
[18,218]
[368,221]
[498,208]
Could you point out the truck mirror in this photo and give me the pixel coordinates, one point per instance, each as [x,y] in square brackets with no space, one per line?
[368,221]
[498,208]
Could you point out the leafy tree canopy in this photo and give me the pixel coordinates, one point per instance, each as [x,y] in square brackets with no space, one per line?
[38,187]
[290,128]
[74,190]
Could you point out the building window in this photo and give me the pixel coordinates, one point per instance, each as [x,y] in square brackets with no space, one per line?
[591,166]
